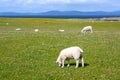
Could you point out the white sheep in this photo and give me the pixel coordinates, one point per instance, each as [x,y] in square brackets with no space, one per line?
[68,53]
[87,29]
[18,29]
[36,30]
[61,30]
[7,23]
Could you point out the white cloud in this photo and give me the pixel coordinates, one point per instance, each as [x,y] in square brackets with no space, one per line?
[29,1]
[25,1]
[50,1]
[53,1]
[67,1]
[45,5]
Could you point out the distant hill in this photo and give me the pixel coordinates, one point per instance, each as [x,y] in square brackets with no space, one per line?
[63,14]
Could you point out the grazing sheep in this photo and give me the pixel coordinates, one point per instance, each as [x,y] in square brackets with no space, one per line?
[7,23]
[61,30]
[18,29]
[87,29]
[68,53]
[36,30]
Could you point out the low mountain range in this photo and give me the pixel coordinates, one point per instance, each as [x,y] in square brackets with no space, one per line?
[62,14]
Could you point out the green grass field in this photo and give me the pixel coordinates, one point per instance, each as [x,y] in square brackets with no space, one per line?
[27,55]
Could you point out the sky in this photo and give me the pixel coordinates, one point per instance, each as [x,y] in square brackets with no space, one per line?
[58,5]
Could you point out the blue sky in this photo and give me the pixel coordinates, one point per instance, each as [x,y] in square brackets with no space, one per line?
[62,5]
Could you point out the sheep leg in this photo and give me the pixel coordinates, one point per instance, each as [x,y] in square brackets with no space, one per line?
[62,63]
[91,31]
[68,63]
[82,62]
[59,65]
[77,63]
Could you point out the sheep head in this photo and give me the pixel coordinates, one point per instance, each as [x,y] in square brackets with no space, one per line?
[59,61]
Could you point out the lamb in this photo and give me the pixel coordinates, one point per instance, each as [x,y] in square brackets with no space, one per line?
[87,29]
[68,53]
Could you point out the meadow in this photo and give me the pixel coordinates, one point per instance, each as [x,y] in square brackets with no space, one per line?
[29,55]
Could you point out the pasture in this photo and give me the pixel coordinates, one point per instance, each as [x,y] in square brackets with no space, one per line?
[30,55]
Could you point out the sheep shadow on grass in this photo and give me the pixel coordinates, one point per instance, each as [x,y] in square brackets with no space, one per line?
[80,65]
